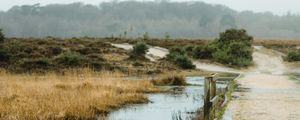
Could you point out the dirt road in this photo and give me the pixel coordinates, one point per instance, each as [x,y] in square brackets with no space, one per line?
[267,94]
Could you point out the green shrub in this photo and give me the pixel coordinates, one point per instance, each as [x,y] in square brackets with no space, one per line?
[174,52]
[71,59]
[236,54]
[293,55]
[233,48]
[234,35]
[139,50]
[178,55]
[184,62]
[4,55]
[221,55]
[204,52]
[189,49]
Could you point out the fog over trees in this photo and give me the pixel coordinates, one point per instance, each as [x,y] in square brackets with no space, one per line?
[133,19]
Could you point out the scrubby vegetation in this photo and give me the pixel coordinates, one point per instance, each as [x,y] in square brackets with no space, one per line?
[293,55]
[233,48]
[70,59]
[4,55]
[42,55]
[178,55]
[139,50]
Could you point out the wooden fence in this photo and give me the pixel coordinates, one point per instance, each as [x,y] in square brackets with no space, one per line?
[213,97]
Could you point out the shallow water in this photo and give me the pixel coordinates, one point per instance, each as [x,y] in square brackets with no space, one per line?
[184,103]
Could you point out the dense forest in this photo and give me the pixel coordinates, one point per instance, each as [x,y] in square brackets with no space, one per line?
[134,19]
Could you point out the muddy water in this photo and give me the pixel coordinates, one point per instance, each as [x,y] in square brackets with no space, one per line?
[183,102]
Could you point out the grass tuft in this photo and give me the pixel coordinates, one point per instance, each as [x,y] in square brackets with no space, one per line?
[172,80]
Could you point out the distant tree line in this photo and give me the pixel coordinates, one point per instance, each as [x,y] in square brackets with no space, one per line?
[134,19]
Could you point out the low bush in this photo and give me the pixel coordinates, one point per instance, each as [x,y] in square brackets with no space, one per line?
[293,55]
[31,64]
[232,48]
[174,52]
[55,50]
[178,55]
[71,59]
[204,52]
[139,50]
[189,49]
[184,62]
[236,54]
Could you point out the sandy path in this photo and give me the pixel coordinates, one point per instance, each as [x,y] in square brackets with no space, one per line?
[269,94]
[153,53]
[214,67]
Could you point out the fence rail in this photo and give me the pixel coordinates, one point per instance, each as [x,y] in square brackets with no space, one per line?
[213,97]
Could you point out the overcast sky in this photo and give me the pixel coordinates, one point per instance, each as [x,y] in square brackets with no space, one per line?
[278,7]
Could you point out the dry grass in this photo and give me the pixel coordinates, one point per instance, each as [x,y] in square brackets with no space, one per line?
[277,42]
[170,80]
[76,95]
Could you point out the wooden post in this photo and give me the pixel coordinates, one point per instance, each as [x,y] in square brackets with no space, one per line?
[213,91]
[213,86]
[210,97]
[207,103]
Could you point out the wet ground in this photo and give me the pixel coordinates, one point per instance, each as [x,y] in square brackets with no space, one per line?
[266,90]
[182,103]
[270,93]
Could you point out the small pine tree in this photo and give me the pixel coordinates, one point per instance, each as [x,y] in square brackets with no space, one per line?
[167,36]
[146,36]
[139,50]
[125,34]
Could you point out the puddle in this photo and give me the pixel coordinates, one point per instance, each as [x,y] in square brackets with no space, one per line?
[167,106]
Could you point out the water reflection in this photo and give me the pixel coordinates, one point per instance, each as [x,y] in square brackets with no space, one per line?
[183,102]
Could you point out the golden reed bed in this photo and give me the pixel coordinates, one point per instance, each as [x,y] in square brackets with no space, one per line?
[78,94]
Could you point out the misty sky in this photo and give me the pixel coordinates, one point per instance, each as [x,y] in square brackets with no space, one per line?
[278,7]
